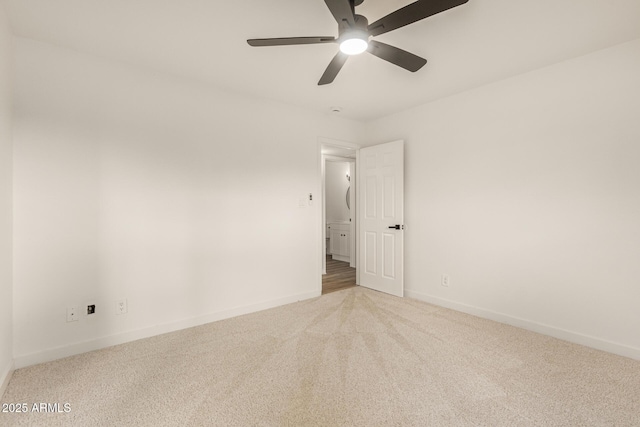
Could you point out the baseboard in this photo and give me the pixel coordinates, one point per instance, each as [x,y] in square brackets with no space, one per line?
[341,258]
[5,377]
[574,337]
[125,337]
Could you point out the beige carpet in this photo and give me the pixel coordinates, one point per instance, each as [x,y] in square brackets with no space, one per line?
[354,357]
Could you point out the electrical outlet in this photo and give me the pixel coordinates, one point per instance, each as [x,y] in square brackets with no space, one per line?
[72,314]
[121,307]
[91,309]
[445,280]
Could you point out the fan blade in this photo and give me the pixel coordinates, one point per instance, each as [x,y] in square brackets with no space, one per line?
[287,41]
[412,13]
[333,69]
[341,11]
[396,56]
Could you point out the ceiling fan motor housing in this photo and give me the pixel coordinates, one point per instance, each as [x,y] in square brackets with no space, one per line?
[358,31]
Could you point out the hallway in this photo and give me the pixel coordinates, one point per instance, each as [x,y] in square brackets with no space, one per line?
[339,276]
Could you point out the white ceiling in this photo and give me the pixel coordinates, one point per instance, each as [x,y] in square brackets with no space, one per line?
[328,150]
[468,46]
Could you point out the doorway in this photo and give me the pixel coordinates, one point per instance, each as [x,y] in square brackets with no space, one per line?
[377,220]
[339,215]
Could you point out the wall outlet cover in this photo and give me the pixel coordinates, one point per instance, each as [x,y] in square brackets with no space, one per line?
[445,280]
[72,314]
[121,307]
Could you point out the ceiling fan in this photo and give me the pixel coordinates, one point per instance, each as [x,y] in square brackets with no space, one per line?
[355,32]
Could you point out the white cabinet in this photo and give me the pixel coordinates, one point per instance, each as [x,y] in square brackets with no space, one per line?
[339,240]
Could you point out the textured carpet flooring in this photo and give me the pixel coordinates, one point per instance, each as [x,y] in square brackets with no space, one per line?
[354,357]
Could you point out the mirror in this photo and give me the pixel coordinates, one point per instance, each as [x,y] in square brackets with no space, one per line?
[348,194]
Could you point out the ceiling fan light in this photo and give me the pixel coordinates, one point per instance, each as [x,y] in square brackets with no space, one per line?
[353,46]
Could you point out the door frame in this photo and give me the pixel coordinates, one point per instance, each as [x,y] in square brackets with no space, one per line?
[322,221]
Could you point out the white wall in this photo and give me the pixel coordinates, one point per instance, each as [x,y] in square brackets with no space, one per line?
[182,199]
[336,186]
[527,193]
[6,309]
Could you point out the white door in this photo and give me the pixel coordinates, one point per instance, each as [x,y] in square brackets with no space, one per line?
[381,217]
[352,215]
